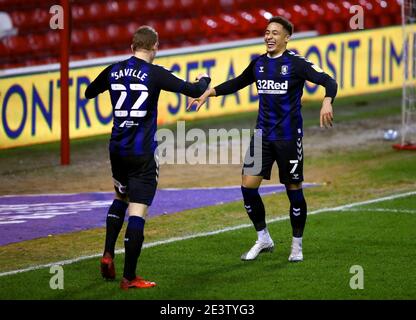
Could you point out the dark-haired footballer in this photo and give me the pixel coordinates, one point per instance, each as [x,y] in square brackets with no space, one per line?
[134,85]
[280,77]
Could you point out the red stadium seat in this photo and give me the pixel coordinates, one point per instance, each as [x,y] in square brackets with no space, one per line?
[20,19]
[322,27]
[4,49]
[170,30]
[79,39]
[261,21]
[394,6]
[336,27]
[345,9]
[155,24]
[17,45]
[385,20]
[370,22]
[227,6]
[316,13]
[129,8]
[190,28]
[113,11]
[97,37]
[228,26]
[302,12]
[167,7]
[118,34]
[244,26]
[53,41]
[95,12]
[248,24]
[79,13]
[37,44]
[332,11]
[209,26]
[152,9]
[40,18]
[132,27]
[190,8]
[282,12]
[379,7]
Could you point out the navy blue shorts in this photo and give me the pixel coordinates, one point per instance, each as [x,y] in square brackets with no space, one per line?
[135,176]
[288,154]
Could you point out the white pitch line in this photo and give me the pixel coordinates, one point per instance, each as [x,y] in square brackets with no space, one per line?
[205,234]
[380,210]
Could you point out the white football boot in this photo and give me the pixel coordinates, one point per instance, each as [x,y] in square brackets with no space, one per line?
[259,247]
[296,254]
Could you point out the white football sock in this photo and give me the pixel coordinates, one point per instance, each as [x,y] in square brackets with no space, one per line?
[264,236]
[297,243]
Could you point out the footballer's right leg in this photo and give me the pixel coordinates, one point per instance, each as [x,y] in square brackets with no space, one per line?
[258,163]
[142,183]
[255,210]
[133,242]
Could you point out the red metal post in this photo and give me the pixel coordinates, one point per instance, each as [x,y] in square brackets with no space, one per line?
[65,34]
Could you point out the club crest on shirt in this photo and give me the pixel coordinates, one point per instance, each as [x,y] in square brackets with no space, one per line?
[285,70]
[261,69]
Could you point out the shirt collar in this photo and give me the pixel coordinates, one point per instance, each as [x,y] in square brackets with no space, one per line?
[278,56]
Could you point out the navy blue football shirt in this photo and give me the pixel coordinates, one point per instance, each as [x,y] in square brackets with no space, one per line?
[134,87]
[280,82]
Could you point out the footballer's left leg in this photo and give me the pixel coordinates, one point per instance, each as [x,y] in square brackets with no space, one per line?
[290,163]
[114,223]
[115,217]
[298,214]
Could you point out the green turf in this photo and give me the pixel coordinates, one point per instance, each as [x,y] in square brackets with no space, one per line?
[210,268]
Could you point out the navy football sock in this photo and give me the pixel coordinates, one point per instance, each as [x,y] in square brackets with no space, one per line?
[114,223]
[254,207]
[298,211]
[133,242]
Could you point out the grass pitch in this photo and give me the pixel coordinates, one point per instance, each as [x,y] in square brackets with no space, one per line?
[379,237]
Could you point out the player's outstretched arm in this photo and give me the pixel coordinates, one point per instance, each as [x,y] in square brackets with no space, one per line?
[169,82]
[326,114]
[99,85]
[210,92]
[227,87]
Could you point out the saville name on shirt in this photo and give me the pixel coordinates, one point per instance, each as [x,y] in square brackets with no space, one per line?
[129,73]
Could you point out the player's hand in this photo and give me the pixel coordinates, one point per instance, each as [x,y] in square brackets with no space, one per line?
[201,75]
[201,100]
[327,115]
